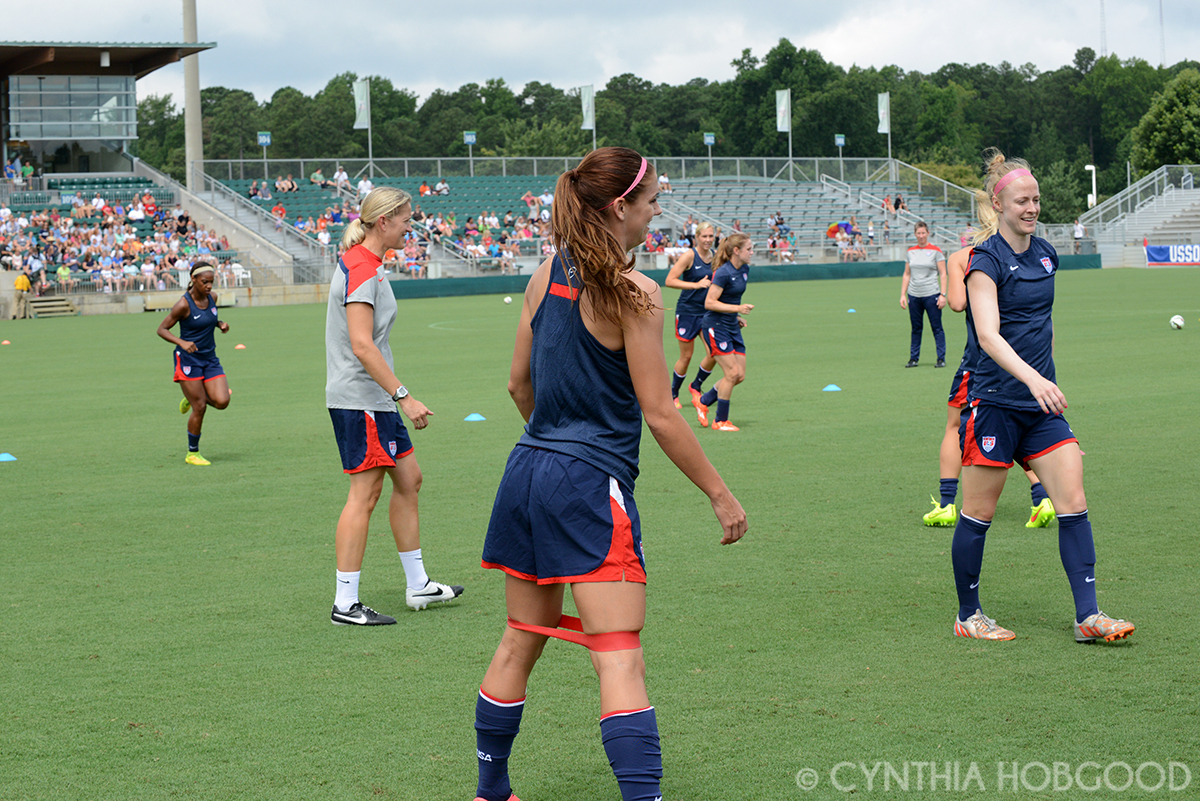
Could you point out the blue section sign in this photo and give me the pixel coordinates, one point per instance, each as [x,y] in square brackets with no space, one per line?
[468,137]
[264,138]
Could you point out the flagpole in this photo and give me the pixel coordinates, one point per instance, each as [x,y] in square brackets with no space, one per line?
[370,133]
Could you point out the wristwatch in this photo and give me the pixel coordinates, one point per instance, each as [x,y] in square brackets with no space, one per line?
[400,393]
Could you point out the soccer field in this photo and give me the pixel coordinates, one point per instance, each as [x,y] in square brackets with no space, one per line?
[167,629]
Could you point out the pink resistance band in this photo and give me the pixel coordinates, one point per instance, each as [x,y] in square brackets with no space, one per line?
[1008,178]
[641,174]
[609,641]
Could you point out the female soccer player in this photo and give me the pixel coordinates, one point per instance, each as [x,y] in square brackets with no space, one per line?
[198,371]
[722,326]
[922,294]
[692,273]
[362,392]
[1016,407]
[588,356]
[945,513]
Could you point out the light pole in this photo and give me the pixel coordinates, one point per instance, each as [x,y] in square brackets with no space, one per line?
[1092,197]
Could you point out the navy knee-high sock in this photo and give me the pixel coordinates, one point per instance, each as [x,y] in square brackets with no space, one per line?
[496,726]
[966,554]
[722,409]
[193,442]
[1078,553]
[1037,493]
[710,397]
[949,490]
[701,376]
[676,382]
[631,742]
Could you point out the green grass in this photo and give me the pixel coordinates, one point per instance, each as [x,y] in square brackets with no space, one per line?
[166,628]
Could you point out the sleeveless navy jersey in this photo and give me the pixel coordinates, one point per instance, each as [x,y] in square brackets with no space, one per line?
[584,403]
[198,326]
[732,281]
[1025,296]
[691,301]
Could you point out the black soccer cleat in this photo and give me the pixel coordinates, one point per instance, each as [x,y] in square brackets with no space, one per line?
[940,363]
[911,363]
[359,615]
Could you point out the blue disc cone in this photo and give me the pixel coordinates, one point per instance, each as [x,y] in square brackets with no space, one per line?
[473,417]
[832,388]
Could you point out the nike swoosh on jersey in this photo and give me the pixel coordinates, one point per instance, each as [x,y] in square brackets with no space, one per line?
[1015,267]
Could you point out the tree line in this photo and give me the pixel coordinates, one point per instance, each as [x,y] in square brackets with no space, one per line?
[1103,111]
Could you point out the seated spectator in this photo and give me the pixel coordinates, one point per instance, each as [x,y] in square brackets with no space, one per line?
[300,224]
[470,228]
[318,178]
[290,184]
[534,205]
[280,185]
[664,183]
[341,179]
[854,229]
[418,215]
[442,187]
[64,280]
[253,190]
[887,206]
[899,205]
[737,226]
[365,185]
[780,224]
[137,213]
[264,192]
[546,199]
[323,237]
[147,280]
[424,190]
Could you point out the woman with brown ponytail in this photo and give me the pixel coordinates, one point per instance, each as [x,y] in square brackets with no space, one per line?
[587,367]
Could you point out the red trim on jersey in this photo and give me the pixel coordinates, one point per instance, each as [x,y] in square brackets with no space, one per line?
[927,246]
[971,453]
[960,395]
[564,291]
[970,258]
[1025,462]
[361,266]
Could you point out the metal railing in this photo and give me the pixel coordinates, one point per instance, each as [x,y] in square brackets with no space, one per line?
[1109,219]
[871,202]
[318,262]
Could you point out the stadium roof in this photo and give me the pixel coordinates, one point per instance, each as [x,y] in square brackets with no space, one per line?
[83,58]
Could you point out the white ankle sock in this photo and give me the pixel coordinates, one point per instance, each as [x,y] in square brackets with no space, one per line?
[347,590]
[414,569]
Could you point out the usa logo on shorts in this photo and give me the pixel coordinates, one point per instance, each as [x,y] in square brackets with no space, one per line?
[682,331]
[987,443]
[187,370]
[392,447]
[1049,265]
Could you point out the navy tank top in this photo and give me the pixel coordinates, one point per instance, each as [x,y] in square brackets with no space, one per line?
[198,326]
[691,301]
[584,403]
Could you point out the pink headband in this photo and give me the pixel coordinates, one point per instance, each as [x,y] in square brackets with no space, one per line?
[1008,178]
[641,174]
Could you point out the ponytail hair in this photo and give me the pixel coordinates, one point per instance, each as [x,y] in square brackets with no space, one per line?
[580,229]
[996,166]
[382,201]
[728,245]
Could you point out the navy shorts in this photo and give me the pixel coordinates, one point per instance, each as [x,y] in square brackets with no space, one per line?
[369,439]
[996,436]
[560,520]
[723,342]
[687,326]
[191,367]
[960,388]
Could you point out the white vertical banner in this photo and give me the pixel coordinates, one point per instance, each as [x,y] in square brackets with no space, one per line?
[783,110]
[885,113]
[362,103]
[587,96]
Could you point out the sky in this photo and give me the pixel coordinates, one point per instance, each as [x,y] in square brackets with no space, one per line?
[262,47]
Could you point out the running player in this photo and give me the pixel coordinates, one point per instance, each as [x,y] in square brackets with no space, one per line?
[692,273]
[586,369]
[922,293]
[722,327]
[362,393]
[198,371]
[945,513]
[1016,407]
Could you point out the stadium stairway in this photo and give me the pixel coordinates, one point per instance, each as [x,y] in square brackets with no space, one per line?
[52,307]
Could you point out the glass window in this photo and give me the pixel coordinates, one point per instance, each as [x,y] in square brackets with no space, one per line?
[53,82]
[83,83]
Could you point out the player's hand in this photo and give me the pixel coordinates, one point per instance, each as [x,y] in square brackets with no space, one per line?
[731,516]
[704,283]
[741,323]
[416,411]
[190,347]
[904,301]
[1048,395]
[224,326]
[745,308]
[941,301]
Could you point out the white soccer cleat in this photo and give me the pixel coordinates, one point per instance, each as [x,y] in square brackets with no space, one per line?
[431,593]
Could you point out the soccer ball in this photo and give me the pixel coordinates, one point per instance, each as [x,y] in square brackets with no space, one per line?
[1177,322]
[509,300]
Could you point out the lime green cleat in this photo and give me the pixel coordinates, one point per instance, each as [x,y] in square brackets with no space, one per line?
[196,459]
[184,405]
[943,516]
[1041,515]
